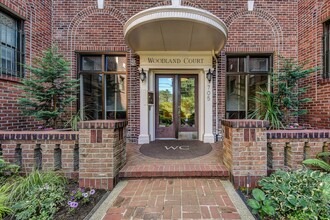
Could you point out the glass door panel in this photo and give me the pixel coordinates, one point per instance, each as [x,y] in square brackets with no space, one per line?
[188,103]
[165,114]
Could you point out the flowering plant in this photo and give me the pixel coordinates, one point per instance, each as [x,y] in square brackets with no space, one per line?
[81,195]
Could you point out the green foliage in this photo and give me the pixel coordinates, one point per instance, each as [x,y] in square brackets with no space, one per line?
[49,90]
[7,170]
[40,203]
[73,121]
[321,162]
[4,209]
[35,196]
[298,193]
[288,95]
[36,179]
[260,204]
[317,163]
[285,102]
[267,109]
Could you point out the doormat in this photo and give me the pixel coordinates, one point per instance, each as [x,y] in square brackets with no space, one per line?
[175,149]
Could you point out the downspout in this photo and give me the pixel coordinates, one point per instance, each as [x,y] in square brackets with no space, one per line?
[216,98]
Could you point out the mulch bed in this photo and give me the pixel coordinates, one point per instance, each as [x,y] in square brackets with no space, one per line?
[83,209]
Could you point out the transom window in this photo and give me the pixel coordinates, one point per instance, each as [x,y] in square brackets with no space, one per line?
[11,45]
[103,86]
[246,75]
[326,50]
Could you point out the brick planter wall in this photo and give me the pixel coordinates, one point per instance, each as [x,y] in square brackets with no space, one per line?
[45,150]
[102,152]
[245,150]
[288,148]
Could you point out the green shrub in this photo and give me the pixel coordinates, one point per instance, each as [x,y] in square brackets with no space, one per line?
[41,203]
[7,170]
[4,209]
[298,193]
[36,196]
[261,204]
[35,179]
[267,109]
[320,162]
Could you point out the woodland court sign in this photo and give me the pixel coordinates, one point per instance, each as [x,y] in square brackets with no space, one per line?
[187,60]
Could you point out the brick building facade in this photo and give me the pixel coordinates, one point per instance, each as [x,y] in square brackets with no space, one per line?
[290,28]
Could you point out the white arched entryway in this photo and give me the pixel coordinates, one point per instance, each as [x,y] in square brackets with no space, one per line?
[175,40]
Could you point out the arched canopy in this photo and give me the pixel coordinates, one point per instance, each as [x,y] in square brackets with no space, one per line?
[175,28]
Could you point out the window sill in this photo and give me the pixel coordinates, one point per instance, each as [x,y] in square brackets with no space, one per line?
[324,81]
[10,78]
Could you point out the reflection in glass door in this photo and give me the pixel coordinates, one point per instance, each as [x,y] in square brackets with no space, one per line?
[165,107]
[176,105]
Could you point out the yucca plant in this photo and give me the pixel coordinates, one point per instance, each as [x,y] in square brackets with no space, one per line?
[266,109]
[319,161]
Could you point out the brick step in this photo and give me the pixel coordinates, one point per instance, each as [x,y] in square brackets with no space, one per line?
[189,170]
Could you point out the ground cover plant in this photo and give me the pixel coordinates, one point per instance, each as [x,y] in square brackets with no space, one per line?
[35,196]
[43,195]
[299,194]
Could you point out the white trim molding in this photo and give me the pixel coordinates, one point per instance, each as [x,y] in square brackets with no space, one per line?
[138,24]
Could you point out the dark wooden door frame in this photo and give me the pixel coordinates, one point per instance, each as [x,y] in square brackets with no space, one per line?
[176,126]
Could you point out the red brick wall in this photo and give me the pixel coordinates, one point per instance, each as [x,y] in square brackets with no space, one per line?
[312,15]
[244,150]
[260,31]
[80,26]
[27,142]
[38,29]
[98,169]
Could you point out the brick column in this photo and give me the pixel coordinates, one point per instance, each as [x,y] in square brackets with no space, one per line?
[102,146]
[245,150]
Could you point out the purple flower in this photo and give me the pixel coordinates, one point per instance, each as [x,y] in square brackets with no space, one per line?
[74,204]
[69,203]
[92,192]
[85,195]
[74,191]
[82,189]
[72,197]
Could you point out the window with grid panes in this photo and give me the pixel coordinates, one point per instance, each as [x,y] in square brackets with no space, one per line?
[11,45]
[246,75]
[103,86]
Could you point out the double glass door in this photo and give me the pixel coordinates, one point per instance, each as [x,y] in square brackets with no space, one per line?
[176,106]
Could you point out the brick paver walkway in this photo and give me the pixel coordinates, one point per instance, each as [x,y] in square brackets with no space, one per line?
[139,165]
[173,199]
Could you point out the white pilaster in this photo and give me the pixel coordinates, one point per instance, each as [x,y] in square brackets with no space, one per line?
[144,137]
[208,114]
